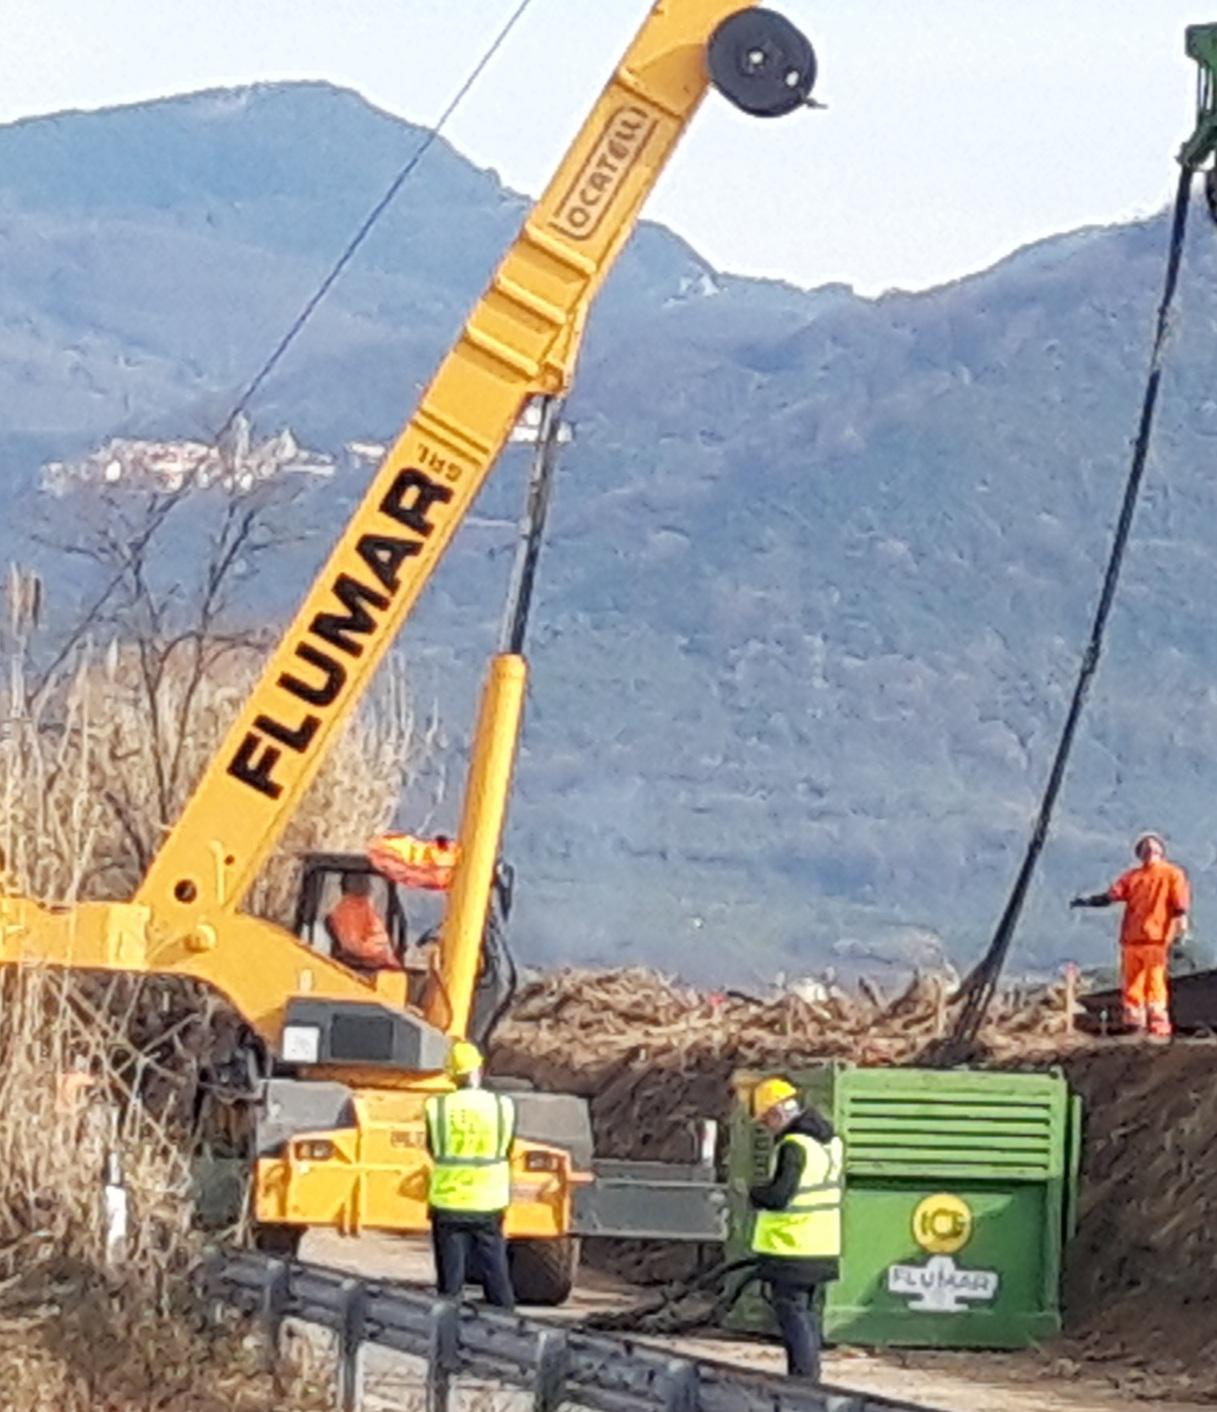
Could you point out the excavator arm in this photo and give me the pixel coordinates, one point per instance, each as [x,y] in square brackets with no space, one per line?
[519,342]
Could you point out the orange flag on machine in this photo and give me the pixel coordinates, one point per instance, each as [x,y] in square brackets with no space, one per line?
[413,861]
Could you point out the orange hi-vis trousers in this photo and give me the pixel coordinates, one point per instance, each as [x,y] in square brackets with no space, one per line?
[1143,970]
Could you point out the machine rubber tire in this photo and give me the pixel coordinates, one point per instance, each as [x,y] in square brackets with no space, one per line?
[283,1241]
[543,1271]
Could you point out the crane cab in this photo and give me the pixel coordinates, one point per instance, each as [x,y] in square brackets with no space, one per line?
[412,918]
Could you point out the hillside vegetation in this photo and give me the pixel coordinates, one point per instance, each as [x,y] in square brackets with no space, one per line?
[820,566]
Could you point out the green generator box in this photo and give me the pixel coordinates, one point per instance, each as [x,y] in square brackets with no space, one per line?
[960,1195]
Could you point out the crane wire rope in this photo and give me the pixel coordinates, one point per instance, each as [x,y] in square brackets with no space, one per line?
[255,384]
[365,228]
[980,986]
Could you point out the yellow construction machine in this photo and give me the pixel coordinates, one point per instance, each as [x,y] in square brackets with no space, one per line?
[349,1061]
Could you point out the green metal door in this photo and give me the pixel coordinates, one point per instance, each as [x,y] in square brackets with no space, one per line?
[958,1195]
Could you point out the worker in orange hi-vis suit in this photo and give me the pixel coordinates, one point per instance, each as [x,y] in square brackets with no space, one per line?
[359,935]
[1156,898]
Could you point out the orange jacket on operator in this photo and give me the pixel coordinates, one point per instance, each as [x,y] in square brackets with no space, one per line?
[360,933]
[1153,894]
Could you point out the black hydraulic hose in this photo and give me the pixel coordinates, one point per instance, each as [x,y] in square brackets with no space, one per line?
[509,994]
[659,1316]
[498,946]
[528,551]
[981,985]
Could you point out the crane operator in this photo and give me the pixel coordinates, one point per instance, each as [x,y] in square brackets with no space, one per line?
[360,938]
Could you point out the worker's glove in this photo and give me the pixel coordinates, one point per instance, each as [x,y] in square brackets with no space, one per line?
[1078,902]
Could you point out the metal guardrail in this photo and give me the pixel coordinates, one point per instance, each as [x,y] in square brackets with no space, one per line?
[553,1362]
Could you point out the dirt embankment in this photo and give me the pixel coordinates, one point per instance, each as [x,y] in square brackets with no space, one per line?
[653,1057]
[1141,1281]
[1141,1284]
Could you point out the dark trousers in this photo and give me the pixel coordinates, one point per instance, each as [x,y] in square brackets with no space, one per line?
[798,1319]
[471,1246]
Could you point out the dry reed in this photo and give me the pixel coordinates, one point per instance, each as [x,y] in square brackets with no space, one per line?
[97,1070]
[81,772]
[88,1321]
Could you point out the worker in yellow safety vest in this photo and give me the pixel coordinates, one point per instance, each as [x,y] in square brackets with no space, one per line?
[469,1136]
[796,1238]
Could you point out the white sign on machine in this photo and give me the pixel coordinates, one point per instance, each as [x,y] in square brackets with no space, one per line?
[942,1226]
[940,1286]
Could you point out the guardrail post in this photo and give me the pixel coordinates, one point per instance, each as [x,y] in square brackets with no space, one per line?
[272,1307]
[443,1353]
[209,1284]
[550,1379]
[350,1345]
[682,1386]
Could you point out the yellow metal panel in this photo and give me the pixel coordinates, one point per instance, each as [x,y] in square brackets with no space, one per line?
[259,968]
[92,936]
[378,1174]
[486,794]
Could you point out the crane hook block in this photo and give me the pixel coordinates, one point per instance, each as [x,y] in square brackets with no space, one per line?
[762,63]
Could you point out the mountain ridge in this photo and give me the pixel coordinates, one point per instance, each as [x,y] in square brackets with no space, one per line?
[820,565]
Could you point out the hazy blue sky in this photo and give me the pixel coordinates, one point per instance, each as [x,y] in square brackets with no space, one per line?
[958,129]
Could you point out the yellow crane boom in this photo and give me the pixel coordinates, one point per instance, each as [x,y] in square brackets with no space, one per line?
[520,341]
[320,1021]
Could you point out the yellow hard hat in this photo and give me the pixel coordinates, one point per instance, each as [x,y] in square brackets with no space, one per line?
[769,1093]
[463,1058]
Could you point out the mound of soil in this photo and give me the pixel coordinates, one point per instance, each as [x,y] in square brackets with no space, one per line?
[1141,1276]
[1141,1281]
[653,1056]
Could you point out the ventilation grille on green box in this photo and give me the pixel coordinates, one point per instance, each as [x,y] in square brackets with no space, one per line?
[930,1126]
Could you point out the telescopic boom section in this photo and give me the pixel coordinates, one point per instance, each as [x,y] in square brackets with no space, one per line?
[485,810]
[519,341]
[1201,45]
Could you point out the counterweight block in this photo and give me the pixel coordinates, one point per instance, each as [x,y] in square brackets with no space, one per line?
[762,63]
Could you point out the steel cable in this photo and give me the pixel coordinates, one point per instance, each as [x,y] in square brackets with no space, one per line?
[981,985]
[308,309]
[370,220]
